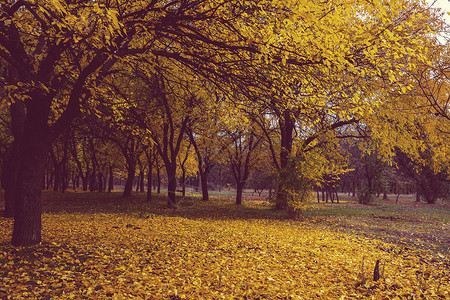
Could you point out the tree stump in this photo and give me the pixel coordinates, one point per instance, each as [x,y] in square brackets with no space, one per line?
[376,271]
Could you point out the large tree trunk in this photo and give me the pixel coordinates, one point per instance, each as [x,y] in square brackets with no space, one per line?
[10,170]
[1,187]
[33,147]
[9,177]
[287,130]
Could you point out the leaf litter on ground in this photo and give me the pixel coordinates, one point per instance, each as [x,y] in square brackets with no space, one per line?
[140,252]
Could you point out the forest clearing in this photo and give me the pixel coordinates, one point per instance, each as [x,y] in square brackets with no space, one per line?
[205,99]
[104,246]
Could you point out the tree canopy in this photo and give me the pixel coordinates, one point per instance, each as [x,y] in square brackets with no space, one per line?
[307,73]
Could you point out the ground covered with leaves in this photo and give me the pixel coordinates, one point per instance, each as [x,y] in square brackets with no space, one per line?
[106,247]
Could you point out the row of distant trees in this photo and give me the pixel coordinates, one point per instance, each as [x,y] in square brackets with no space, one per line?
[96,164]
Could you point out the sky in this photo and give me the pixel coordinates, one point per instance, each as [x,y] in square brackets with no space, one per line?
[444,5]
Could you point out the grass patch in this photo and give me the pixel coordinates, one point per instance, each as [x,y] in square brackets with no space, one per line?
[413,225]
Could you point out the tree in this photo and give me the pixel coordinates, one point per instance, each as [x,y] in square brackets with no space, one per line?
[374,175]
[240,140]
[203,133]
[173,117]
[53,53]
[151,155]
[187,164]
[7,165]
[241,157]
[336,75]
[57,54]
[429,184]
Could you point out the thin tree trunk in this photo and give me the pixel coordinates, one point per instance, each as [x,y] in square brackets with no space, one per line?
[130,177]
[172,185]
[85,180]
[141,183]
[204,183]
[149,183]
[100,182]
[239,191]
[287,130]
[93,181]
[47,179]
[138,181]
[183,182]
[110,180]
[74,182]
[158,182]
[354,189]
[57,171]
[64,179]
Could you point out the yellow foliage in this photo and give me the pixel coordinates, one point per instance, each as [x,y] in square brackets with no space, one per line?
[127,256]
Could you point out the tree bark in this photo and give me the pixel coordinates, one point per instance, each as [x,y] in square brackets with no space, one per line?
[93,181]
[150,153]
[158,181]
[204,183]
[138,182]
[294,214]
[85,180]
[130,177]
[141,183]
[28,208]
[100,182]
[56,171]
[239,190]
[287,130]
[9,177]
[204,166]
[33,148]
[63,165]
[183,182]
[172,184]
[10,170]
[149,183]
[111,180]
